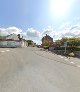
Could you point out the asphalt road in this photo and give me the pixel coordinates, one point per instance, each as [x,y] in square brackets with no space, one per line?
[22,70]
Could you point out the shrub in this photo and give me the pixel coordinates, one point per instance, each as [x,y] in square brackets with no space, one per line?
[46,47]
[67,48]
[71,54]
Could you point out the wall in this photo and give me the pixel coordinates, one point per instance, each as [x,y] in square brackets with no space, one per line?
[77,53]
[10,44]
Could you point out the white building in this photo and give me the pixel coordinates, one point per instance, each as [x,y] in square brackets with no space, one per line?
[12,40]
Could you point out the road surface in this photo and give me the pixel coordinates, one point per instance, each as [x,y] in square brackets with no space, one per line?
[24,70]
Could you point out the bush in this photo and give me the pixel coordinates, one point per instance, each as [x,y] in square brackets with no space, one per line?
[67,48]
[46,47]
[71,54]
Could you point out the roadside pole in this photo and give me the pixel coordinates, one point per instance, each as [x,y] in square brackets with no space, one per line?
[65,49]
[65,45]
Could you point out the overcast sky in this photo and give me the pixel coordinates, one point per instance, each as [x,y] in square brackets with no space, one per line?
[35,18]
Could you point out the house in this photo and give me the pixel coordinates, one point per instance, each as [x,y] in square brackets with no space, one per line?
[12,40]
[47,40]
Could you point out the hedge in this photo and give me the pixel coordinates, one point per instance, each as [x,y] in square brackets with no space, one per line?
[67,48]
[46,47]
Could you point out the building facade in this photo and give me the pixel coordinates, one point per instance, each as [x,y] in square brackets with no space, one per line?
[47,41]
[12,40]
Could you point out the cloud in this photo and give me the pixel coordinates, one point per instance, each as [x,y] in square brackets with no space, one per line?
[32,33]
[24,34]
[65,25]
[14,30]
[49,31]
[36,36]
[73,31]
[10,30]
[3,32]
[66,31]
[37,42]
[76,27]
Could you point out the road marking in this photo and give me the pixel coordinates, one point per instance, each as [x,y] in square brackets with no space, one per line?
[72,62]
[66,59]
[7,50]
[61,57]
[2,51]
[78,65]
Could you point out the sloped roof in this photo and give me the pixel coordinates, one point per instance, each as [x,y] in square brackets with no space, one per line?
[12,36]
[47,37]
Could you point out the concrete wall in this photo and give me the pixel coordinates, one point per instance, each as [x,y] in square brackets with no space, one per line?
[24,44]
[3,44]
[10,44]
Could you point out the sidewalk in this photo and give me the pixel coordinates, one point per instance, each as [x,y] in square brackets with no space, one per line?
[58,58]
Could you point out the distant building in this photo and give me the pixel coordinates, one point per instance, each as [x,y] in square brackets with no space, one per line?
[47,40]
[12,40]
